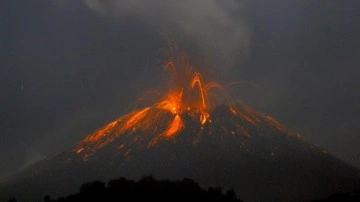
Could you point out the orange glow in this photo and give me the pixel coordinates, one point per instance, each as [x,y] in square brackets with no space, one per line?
[275,123]
[233,110]
[247,118]
[197,80]
[101,133]
[170,66]
[172,102]
[79,150]
[136,118]
[187,95]
[175,126]
[204,117]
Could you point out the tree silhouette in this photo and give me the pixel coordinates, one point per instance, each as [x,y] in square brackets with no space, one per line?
[47,198]
[147,188]
[342,197]
[12,199]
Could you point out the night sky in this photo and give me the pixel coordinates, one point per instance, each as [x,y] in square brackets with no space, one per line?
[69,67]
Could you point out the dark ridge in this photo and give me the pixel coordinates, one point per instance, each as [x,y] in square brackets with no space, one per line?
[342,197]
[148,189]
[246,151]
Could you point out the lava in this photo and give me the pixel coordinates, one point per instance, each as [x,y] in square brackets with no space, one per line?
[138,116]
[188,95]
[175,126]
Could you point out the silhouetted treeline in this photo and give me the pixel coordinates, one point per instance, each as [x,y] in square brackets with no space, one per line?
[147,189]
[342,197]
[151,189]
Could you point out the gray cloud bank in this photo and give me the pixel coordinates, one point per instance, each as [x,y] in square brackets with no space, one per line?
[209,23]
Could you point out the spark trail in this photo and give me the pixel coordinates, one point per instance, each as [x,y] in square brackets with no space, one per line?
[188,95]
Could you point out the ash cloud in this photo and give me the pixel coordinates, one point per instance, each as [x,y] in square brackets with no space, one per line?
[215,27]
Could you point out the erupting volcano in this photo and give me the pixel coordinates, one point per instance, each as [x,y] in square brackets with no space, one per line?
[188,96]
[194,129]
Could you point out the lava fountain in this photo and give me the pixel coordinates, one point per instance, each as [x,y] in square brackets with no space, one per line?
[187,94]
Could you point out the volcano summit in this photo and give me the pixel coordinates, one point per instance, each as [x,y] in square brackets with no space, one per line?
[195,131]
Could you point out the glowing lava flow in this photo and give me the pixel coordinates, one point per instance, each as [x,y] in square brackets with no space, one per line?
[188,95]
[175,126]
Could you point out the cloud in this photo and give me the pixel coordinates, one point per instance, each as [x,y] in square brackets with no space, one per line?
[214,26]
[32,156]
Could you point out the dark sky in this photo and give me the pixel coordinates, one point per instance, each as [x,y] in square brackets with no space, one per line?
[69,67]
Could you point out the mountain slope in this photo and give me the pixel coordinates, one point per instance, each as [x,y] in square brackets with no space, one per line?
[237,148]
[195,130]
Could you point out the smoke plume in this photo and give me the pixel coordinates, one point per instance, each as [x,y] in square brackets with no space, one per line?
[213,26]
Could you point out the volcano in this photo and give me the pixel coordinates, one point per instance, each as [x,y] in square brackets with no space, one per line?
[195,130]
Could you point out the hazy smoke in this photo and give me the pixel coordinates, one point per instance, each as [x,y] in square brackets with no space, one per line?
[213,25]
[32,156]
